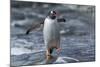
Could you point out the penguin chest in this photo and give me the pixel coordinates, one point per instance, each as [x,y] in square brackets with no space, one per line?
[51,30]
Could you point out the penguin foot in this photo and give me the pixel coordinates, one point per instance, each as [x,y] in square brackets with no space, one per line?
[49,57]
[58,49]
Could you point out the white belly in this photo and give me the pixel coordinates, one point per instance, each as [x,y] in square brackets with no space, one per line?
[51,32]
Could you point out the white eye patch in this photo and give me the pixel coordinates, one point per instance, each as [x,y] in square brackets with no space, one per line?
[53,12]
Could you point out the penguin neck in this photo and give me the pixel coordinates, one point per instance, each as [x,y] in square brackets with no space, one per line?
[52,20]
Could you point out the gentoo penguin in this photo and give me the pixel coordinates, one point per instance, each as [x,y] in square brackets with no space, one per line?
[51,32]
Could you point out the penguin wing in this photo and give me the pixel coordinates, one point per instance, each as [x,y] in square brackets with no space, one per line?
[34,27]
[61,20]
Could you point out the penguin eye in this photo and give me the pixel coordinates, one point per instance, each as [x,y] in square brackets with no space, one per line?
[53,12]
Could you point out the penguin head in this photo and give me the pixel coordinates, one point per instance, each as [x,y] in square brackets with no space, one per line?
[52,14]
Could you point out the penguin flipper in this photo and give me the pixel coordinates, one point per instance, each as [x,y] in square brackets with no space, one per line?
[34,27]
[61,20]
[27,32]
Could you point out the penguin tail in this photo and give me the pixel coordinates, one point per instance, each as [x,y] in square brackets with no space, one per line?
[51,50]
